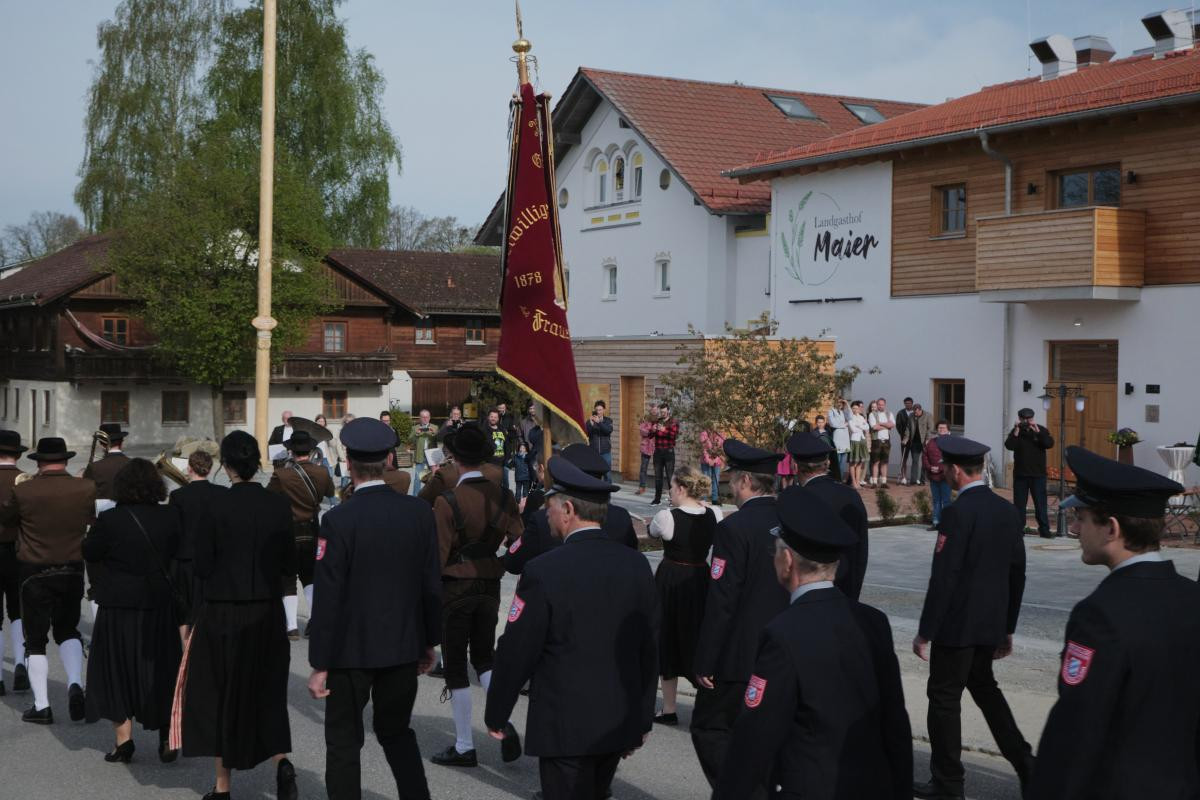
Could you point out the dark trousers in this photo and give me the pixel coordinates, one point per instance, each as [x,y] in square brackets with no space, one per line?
[577,778]
[916,470]
[1023,486]
[470,610]
[713,716]
[664,463]
[392,691]
[10,585]
[645,467]
[50,597]
[952,669]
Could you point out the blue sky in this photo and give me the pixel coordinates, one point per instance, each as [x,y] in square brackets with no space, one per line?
[449,77]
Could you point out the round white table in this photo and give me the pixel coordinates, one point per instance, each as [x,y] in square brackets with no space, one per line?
[1177,459]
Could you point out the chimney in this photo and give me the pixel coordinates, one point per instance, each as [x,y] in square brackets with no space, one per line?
[1057,55]
[1170,30]
[1092,50]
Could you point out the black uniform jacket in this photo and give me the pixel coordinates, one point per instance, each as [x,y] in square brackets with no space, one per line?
[978,573]
[8,532]
[1125,724]
[104,471]
[133,575]
[244,546]
[852,569]
[537,539]
[824,715]
[583,626]
[379,580]
[191,502]
[743,592]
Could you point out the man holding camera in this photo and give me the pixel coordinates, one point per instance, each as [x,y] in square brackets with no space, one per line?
[1029,442]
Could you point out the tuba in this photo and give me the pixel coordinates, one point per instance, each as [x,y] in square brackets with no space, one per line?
[169,471]
[24,476]
[98,438]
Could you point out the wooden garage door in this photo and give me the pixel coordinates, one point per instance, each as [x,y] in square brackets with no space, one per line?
[1091,365]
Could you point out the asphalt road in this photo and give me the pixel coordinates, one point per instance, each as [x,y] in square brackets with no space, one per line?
[65,759]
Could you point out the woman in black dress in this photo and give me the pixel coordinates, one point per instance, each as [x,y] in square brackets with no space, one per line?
[231,696]
[682,578]
[135,643]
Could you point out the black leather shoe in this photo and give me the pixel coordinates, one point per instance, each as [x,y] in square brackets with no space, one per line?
[215,795]
[294,634]
[285,781]
[933,790]
[667,719]
[307,627]
[165,754]
[450,757]
[3,691]
[438,671]
[20,679]
[510,745]
[75,702]
[43,717]
[121,754]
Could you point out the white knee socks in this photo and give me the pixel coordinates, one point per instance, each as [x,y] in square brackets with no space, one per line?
[39,670]
[17,631]
[2,657]
[308,594]
[95,609]
[485,680]
[71,653]
[460,703]
[290,604]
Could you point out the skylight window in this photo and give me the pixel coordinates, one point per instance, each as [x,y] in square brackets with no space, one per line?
[868,114]
[792,107]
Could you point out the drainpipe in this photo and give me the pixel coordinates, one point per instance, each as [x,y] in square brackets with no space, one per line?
[1006,370]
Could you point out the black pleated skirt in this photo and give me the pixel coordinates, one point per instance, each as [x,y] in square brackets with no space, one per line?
[132,665]
[682,590]
[189,587]
[234,692]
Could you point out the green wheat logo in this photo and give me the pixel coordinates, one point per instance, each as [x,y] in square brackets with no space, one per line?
[793,243]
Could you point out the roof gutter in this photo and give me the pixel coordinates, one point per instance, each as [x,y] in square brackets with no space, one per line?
[972,133]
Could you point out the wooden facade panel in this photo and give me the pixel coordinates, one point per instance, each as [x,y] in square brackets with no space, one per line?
[449,349]
[351,292]
[1161,149]
[366,331]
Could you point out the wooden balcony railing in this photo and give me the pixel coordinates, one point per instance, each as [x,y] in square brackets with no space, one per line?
[1067,254]
[373,368]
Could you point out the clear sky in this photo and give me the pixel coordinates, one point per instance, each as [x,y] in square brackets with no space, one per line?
[449,76]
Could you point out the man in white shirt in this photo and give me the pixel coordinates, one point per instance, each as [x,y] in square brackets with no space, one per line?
[882,422]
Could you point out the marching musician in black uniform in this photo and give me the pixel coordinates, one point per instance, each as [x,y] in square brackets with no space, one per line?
[474,518]
[824,710]
[192,502]
[583,628]
[51,513]
[379,578]
[306,485]
[970,613]
[1128,713]
[537,538]
[743,596]
[812,457]
[10,574]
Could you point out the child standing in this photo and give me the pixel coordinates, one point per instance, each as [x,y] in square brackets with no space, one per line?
[523,477]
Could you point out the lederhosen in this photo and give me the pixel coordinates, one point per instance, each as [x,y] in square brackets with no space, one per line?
[470,606]
[50,597]
[305,534]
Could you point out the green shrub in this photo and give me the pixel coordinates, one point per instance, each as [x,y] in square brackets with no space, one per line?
[923,505]
[402,424]
[888,507]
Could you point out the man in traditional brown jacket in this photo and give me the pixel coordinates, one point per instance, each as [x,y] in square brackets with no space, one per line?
[306,485]
[104,471]
[10,576]
[51,512]
[474,517]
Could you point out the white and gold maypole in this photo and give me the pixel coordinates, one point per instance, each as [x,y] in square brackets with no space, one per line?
[264,323]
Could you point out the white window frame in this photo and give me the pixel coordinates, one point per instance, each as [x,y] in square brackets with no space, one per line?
[662,269]
[611,281]
[601,181]
[424,326]
[637,167]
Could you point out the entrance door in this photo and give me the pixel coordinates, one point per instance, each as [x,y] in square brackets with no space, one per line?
[1091,365]
[633,406]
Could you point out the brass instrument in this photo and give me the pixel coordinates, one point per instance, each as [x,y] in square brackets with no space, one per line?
[168,470]
[99,437]
[24,476]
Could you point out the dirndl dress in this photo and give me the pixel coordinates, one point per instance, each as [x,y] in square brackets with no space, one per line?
[132,665]
[682,582]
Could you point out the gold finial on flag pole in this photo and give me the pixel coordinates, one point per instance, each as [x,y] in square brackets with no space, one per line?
[521,46]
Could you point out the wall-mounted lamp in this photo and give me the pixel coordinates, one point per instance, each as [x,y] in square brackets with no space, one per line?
[1079,404]
[1131,177]
[1031,189]
[1026,386]
[1047,401]
[1078,322]
[1128,388]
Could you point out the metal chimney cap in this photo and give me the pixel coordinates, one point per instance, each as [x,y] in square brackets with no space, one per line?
[1093,42]
[1055,47]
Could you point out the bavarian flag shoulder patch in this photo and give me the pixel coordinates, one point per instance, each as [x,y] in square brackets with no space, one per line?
[755,690]
[1077,659]
[718,568]
[514,611]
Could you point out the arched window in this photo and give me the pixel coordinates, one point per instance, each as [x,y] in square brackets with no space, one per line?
[610,279]
[618,179]
[601,182]
[637,176]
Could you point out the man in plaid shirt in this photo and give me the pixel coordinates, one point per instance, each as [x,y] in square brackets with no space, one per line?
[666,431]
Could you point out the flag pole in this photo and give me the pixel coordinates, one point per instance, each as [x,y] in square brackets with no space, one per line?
[264,323]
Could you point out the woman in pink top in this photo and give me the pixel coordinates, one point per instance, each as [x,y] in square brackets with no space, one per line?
[712,459]
[784,472]
[646,429]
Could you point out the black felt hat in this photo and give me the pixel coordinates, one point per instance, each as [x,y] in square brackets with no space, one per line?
[470,444]
[961,450]
[810,527]
[115,434]
[745,458]
[10,442]
[570,480]
[367,440]
[300,443]
[1121,489]
[1025,413]
[586,458]
[52,448]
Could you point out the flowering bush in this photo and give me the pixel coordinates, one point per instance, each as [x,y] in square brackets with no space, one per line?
[1124,437]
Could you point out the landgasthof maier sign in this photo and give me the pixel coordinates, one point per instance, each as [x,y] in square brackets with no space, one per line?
[831,234]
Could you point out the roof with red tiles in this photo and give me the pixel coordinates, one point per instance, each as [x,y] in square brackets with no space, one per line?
[1117,85]
[48,278]
[427,283]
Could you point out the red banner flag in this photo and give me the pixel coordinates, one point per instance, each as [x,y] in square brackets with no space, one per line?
[535,343]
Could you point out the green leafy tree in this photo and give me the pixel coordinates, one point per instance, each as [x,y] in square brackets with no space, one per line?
[188,253]
[329,111]
[751,386]
[145,100]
